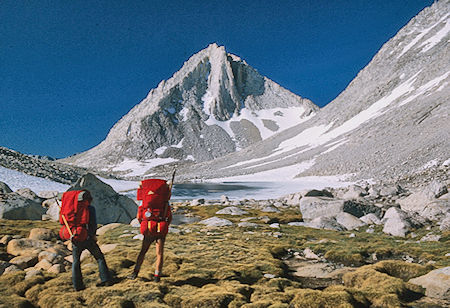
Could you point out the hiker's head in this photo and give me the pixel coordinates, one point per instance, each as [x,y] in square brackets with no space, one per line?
[85,195]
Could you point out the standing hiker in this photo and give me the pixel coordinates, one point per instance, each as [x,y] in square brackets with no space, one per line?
[154,215]
[80,226]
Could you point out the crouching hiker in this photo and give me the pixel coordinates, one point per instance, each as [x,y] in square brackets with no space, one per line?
[80,226]
[154,215]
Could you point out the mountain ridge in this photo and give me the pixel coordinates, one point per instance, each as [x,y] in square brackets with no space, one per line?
[390,121]
[214,105]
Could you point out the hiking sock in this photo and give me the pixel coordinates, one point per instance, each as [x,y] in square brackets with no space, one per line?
[157,276]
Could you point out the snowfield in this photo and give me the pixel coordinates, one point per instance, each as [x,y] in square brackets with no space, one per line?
[17,180]
[137,168]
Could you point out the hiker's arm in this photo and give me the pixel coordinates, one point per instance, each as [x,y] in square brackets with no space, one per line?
[169,214]
[138,214]
[92,227]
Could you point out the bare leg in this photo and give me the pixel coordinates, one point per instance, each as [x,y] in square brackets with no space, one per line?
[145,245]
[159,254]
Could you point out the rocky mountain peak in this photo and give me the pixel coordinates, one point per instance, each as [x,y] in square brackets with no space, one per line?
[214,105]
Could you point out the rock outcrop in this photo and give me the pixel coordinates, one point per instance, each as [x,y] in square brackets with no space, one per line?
[232,210]
[216,222]
[41,251]
[398,222]
[436,283]
[42,234]
[4,188]
[15,206]
[110,206]
[429,202]
[30,165]
[29,247]
[399,210]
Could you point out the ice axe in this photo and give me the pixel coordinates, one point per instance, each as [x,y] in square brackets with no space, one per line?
[64,218]
[171,182]
[166,207]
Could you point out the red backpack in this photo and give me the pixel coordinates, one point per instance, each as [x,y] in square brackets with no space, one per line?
[155,195]
[76,214]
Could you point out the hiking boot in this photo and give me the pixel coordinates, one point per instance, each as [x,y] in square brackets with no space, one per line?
[156,278]
[80,288]
[132,276]
[106,283]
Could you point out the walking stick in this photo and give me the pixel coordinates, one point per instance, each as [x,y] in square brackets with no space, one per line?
[64,218]
[171,182]
[166,207]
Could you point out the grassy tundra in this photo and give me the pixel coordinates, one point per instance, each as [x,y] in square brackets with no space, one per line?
[239,267]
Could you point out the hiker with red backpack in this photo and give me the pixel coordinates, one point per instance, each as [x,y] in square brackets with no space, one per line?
[80,225]
[154,215]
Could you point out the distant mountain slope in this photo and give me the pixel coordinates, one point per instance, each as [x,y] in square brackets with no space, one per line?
[214,105]
[42,168]
[392,120]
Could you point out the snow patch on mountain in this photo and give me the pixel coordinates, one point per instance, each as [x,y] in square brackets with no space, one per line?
[134,167]
[433,86]
[160,150]
[334,145]
[430,164]
[435,39]
[121,186]
[17,180]
[431,42]
[319,135]
[279,119]
[288,174]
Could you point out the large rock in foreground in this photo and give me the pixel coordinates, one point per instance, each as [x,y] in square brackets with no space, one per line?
[14,206]
[109,205]
[327,223]
[42,234]
[436,283]
[29,247]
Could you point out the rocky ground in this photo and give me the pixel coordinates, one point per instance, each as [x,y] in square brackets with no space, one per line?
[43,168]
[362,246]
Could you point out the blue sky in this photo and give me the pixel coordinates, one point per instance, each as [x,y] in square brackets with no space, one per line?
[69,70]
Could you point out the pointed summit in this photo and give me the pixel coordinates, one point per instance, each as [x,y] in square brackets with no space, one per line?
[214,105]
